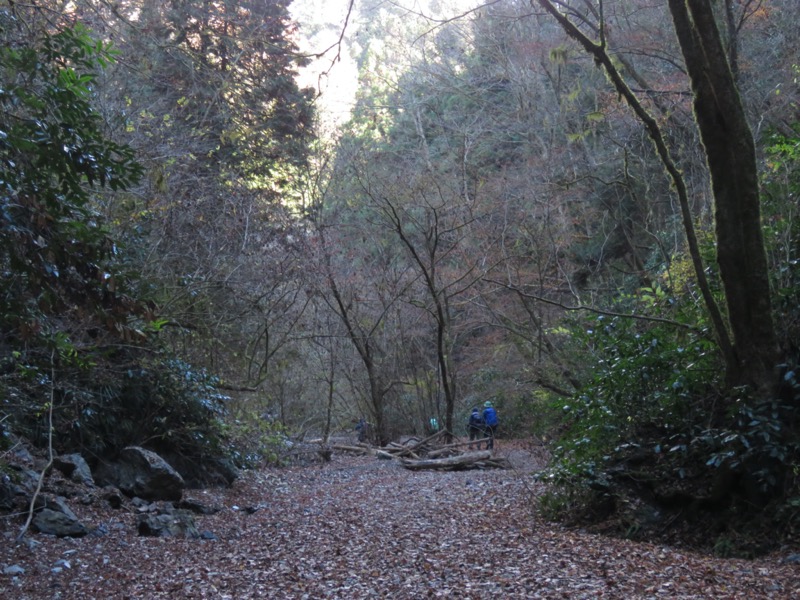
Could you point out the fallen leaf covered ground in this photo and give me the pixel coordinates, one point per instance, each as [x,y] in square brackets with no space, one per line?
[358,527]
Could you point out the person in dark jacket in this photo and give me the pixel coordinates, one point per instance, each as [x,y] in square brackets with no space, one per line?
[475,427]
[489,423]
[361,428]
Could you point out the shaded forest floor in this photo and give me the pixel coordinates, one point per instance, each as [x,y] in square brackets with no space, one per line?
[358,527]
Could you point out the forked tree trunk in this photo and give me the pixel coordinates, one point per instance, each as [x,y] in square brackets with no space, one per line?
[730,151]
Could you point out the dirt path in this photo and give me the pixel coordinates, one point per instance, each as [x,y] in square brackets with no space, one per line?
[367,528]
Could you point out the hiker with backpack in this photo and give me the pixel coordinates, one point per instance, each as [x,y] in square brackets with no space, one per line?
[489,423]
[362,428]
[475,427]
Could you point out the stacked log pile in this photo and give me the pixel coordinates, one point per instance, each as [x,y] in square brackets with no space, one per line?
[431,453]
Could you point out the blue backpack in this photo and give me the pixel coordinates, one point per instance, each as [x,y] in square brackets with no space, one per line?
[490,416]
[476,420]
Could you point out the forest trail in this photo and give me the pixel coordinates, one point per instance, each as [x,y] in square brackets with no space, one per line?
[359,527]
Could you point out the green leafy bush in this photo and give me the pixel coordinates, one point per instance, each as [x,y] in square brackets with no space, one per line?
[653,429]
[55,254]
[646,376]
[781,218]
[162,404]
[75,336]
[761,443]
[256,440]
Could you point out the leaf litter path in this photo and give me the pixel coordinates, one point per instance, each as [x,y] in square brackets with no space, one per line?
[366,528]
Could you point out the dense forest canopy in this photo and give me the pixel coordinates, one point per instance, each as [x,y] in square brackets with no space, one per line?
[584,211]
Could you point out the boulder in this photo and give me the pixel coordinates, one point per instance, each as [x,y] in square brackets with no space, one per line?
[75,468]
[24,481]
[16,488]
[197,507]
[225,469]
[57,504]
[205,471]
[57,523]
[113,496]
[143,473]
[8,493]
[180,523]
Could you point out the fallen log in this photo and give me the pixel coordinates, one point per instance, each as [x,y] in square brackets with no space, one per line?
[346,448]
[410,449]
[452,463]
[446,449]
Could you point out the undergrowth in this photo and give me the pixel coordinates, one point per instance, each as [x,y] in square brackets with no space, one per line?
[653,448]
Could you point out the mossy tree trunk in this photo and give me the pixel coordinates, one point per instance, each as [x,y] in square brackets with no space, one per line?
[730,152]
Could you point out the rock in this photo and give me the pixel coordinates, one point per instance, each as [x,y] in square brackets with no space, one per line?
[99,531]
[210,471]
[14,570]
[142,473]
[197,508]
[57,504]
[145,506]
[20,453]
[225,469]
[21,481]
[113,496]
[791,559]
[8,494]
[57,523]
[75,468]
[178,524]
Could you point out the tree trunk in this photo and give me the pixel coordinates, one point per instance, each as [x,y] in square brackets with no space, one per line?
[329,409]
[364,347]
[603,59]
[730,151]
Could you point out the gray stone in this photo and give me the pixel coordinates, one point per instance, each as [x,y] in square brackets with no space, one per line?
[113,496]
[21,482]
[74,467]
[8,494]
[57,504]
[226,469]
[99,531]
[142,473]
[198,507]
[178,524]
[57,523]
[792,559]
[22,455]
[14,570]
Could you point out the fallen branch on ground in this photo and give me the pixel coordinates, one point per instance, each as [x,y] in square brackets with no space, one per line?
[354,449]
[451,463]
[450,447]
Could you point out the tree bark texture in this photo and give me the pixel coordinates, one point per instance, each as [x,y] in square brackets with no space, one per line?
[730,152]
[459,461]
